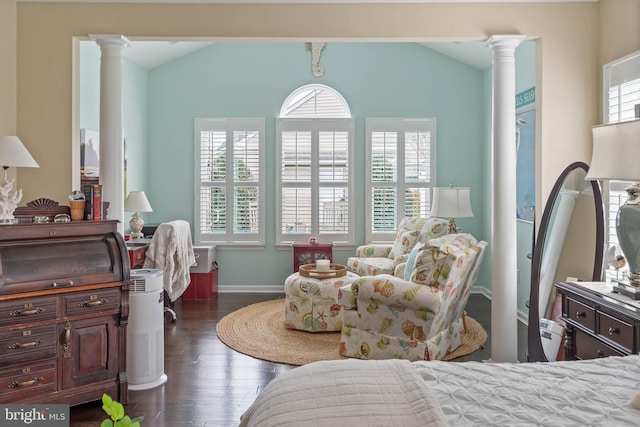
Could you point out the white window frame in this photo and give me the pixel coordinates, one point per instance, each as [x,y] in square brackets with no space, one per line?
[615,75]
[314,126]
[400,126]
[229,126]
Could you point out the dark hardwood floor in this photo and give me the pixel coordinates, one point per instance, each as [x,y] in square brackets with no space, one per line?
[211,385]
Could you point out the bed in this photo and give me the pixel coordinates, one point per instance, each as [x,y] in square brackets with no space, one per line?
[598,392]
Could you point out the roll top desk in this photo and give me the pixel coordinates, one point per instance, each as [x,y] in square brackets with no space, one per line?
[63,312]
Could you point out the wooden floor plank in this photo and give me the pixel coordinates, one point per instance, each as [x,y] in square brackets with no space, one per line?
[211,385]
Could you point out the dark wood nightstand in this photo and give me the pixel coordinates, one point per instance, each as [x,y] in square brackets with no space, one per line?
[599,323]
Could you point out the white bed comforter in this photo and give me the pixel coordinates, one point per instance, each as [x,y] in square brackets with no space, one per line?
[579,393]
[385,393]
[397,393]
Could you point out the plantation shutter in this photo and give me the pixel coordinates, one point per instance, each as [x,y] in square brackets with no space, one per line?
[401,172]
[314,139]
[229,181]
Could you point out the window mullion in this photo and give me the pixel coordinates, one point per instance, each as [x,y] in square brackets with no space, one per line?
[401,172]
[315,179]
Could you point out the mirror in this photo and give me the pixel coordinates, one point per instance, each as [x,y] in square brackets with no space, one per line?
[570,243]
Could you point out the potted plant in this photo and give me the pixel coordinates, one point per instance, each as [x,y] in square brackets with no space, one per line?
[115,410]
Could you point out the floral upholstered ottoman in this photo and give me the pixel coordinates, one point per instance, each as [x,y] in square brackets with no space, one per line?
[312,304]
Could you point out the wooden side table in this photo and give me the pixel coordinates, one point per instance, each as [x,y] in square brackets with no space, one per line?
[308,253]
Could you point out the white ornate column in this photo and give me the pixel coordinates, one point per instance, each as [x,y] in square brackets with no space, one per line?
[504,266]
[111,127]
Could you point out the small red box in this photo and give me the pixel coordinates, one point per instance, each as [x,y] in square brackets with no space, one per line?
[309,253]
[203,286]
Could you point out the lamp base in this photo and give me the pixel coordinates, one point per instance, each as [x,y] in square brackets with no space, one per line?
[627,289]
[136,225]
[452,228]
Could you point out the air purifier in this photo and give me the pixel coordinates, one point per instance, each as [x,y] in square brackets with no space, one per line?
[145,332]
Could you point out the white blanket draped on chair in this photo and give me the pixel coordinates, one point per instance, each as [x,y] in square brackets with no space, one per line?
[171,251]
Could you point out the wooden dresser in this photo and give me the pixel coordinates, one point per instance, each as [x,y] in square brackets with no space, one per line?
[599,323]
[63,312]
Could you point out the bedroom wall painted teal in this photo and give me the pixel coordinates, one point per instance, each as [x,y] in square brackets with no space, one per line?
[89,86]
[525,79]
[253,79]
[377,79]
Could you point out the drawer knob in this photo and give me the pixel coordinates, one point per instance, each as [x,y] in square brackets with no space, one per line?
[613,331]
[580,314]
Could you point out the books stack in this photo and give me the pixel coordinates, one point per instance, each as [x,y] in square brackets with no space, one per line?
[627,289]
[94,203]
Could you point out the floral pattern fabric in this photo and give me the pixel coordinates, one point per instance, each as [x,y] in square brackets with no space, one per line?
[389,317]
[312,305]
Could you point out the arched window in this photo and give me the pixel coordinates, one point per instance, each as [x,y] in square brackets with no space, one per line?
[315,174]
[315,101]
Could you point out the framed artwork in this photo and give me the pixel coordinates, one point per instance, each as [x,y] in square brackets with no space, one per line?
[525,165]
[89,153]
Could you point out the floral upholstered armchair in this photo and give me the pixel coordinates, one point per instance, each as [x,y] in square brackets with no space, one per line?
[381,258]
[419,316]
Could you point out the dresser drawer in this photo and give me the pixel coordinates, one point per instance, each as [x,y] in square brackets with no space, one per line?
[587,347]
[29,310]
[27,380]
[92,302]
[28,344]
[616,330]
[581,314]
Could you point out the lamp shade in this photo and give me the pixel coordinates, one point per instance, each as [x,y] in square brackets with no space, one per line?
[616,152]
[13,153]
[137,201]
[451,202]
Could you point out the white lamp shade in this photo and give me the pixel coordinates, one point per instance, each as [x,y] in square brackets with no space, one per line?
[451,202]
[14,154]
[137,201]
[616,152]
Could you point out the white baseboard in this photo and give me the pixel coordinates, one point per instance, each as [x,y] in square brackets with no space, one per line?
[279,289]
[252,289]
[523,317]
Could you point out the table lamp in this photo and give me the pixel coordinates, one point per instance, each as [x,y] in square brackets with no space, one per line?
[451,202]
[616,156]
[12,153]
[137,202]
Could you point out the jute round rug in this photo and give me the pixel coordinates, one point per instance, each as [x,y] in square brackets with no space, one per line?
[258,331]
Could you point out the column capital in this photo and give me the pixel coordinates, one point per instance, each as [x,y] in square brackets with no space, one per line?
[115,40]
[505,41]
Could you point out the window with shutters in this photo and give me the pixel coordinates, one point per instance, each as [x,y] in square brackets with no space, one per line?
[621,95]
[229,181]
[400,173]
[314,153]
